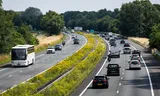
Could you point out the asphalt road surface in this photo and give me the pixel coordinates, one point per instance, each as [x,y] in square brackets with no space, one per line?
[129,83]
[11,76]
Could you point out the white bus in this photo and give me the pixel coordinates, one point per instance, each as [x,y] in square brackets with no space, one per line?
[22,55]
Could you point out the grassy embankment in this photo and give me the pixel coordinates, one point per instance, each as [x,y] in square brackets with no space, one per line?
[43,44]
[144,42]
[27,88]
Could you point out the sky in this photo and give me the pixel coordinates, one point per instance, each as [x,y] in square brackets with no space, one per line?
[61,6]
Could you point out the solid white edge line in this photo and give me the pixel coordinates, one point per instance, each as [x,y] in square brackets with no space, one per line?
[40,72]
[149,77]
[96,74]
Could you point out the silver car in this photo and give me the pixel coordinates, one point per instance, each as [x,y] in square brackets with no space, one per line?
[135,64]
[50,50]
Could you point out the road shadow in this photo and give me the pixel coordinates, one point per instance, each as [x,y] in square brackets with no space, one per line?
[6,66]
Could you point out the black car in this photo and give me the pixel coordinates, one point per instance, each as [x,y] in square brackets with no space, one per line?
[113,69]
[126,45]
[76,41]
[122,42]
[100,81]
[136,52]
[58,47]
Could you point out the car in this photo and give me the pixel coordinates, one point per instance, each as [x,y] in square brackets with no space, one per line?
[50,50]
[122,42]
[76,41]
[126,45]
[135,57]
[100,81]
[127,50]
[113,69]
[113,44]
[107,37]
[112,40]
[58,47]
[136,52]
[102,35]
[135,64]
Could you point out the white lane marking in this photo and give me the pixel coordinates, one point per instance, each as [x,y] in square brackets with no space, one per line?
[96,74]
[122,73]
[121,78]
[20,71]
[117,91]
[10,76]
[39,55]
[120,84]
[4,69]
[123,69]
[149,77]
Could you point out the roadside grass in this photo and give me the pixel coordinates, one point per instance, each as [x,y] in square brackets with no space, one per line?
[143,42]
[29,87]
[6,58]
[67,85]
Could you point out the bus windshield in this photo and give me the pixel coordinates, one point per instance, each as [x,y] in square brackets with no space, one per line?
[18,54]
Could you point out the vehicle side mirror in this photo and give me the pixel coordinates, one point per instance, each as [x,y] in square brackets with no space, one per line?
[128,61]
[119,66]
[107,78]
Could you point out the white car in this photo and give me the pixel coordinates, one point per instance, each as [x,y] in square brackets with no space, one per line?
[127,50]
[50,50]
[135,64]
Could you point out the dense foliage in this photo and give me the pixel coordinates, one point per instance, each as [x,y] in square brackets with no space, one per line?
[103,20]
[137,18]
[17,27]
[52,22]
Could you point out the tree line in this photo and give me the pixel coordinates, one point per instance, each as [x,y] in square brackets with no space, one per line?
[17,27]
[139,18]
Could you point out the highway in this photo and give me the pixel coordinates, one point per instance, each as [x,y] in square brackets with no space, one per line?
[11,76]
[129,83]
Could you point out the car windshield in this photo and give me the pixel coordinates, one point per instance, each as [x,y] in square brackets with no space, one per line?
[18,54]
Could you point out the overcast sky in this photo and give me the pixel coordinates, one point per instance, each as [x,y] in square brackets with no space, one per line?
[62,6]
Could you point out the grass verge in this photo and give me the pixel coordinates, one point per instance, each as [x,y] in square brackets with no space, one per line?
[27,88]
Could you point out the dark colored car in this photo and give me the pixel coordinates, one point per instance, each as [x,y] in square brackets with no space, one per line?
[102,35]
[113,69]
[122,42]
[100,81]
[58,47]
[126,45]
[136,52]
[76,41]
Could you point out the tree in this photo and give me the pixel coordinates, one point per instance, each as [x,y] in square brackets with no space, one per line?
[137,17]
[0,3]
[31,16]
[52,22]
[154,40]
